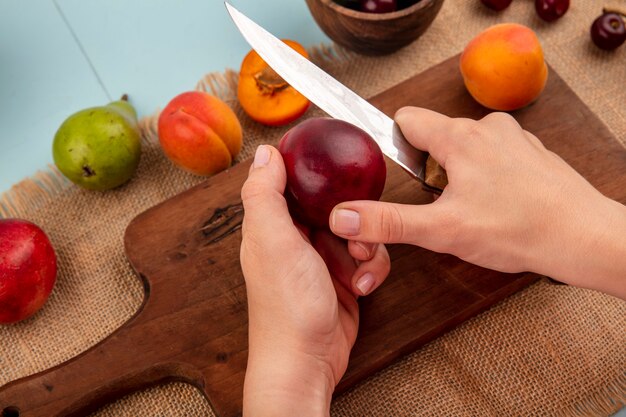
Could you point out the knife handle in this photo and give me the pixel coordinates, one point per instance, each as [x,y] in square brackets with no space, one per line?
[435,178]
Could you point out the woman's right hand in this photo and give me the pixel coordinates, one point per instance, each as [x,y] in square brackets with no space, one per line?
[510,205]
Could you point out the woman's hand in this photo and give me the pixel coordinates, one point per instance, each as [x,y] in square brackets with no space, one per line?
[510,205]
[302,289]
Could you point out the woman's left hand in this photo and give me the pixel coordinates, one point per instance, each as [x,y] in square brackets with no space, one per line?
[302,289]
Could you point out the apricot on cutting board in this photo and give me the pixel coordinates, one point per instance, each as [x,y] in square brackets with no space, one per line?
[200,133]
[503,67]
[265,96]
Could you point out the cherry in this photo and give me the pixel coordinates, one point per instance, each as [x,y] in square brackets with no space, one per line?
[497,5]
[608,31]
[403,4]
[350,4]
[378,6]
[550,10]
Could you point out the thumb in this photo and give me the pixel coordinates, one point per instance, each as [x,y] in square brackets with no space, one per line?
[380,222]
[266,215]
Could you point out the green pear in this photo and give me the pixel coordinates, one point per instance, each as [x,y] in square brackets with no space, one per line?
[99,148]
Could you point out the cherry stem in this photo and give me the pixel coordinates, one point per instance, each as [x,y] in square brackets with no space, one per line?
[614,9]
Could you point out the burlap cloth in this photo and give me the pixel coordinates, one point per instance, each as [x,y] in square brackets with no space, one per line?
[549,350]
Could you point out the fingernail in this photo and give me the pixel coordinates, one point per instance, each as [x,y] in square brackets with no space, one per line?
[261,156]
[346,222]
[365,283]
[400,113]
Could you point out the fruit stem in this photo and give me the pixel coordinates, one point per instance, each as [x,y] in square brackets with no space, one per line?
[614,9]
[124,97]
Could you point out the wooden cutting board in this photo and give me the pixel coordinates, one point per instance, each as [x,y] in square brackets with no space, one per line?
[193,324]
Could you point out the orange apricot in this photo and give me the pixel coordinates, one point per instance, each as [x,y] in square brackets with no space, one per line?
[265,96]
[199,133]
[503,67]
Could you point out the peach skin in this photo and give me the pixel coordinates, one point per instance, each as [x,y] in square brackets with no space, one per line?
[199,133]
[503,67]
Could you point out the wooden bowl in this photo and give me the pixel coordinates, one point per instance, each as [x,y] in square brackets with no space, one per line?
[372,33]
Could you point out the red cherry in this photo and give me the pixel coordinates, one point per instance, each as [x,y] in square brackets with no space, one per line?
[403,4]
[550,10]
[608,31]
[497,5]
[378,6]
[350,4]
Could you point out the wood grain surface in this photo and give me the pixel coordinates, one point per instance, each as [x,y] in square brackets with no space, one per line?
[193,323]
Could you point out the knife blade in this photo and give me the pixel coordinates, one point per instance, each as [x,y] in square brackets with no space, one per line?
[330,95]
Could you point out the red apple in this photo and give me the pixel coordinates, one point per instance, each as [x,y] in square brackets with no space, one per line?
[329,161]
[28,269]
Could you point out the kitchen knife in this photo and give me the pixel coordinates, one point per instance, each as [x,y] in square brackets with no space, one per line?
[331,96]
